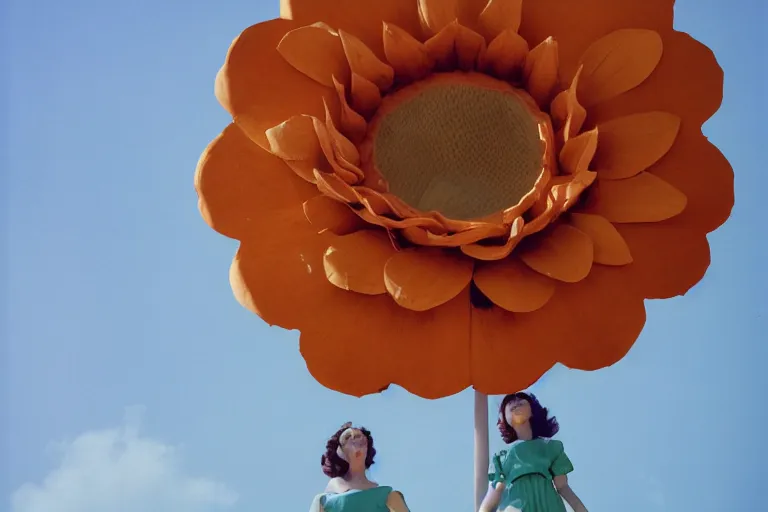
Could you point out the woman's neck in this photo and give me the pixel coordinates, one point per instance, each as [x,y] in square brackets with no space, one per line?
[524,432]
[356,475]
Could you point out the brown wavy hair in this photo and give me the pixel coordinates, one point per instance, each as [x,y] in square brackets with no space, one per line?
[333,465]
[542,425]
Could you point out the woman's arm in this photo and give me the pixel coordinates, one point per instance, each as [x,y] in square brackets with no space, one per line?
[561,484]
[492,497]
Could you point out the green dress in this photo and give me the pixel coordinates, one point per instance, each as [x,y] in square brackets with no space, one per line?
[368,500]
[527,469]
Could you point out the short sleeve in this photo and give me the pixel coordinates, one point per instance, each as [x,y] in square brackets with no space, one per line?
[561,464]
[318,504]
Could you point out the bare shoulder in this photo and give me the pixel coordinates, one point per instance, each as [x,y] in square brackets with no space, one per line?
[336,485]
[396,499]
[396,502]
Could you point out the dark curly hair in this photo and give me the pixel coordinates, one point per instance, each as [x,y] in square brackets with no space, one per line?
[332,464]
[542,425]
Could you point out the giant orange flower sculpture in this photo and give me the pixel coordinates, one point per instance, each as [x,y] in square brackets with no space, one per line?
[445,193]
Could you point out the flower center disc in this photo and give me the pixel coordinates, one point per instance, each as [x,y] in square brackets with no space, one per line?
[464,145]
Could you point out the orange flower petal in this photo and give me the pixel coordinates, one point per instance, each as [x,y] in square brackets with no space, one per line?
[366,97]
[264,185]
[577,25]
[416,350]
[505,55]
[456,46]
[406,54]
[598,321]
[343,148]
[577,153]
[514,286]
[668,258]
[259,100]
[325,139]
[564,253]
[500,15]
[295,142]
[553,205]
[353,125]
[540,71]
[317,52]
[371,215]
[422,279]
[356,261]
[508,352]
[335,187]
[642,198]
[568,115]
[340,151]
[279,276]
[697,168]
[573,189]
[363,19]
[609,247]
[423,236]
[496,252]
[436,14]
[470,47]
[327,214]
[618,62]
[365,63]
[633,143]
[688,74]
[442,47]
[692,82]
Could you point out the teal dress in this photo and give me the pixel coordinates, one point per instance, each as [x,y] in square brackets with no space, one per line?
[527,468]
[368,500]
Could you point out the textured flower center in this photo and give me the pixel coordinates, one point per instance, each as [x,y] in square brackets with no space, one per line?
[459,144]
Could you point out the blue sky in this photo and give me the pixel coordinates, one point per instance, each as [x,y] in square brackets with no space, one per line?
[133,381]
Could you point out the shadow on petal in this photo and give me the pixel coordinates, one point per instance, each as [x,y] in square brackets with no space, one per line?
[669,258]
[698,169]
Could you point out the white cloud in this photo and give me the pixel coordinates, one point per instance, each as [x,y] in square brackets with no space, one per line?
[118,470]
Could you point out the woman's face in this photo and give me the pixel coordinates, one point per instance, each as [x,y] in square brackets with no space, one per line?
[353,445]
[517,411]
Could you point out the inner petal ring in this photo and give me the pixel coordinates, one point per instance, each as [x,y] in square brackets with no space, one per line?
[462,144]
